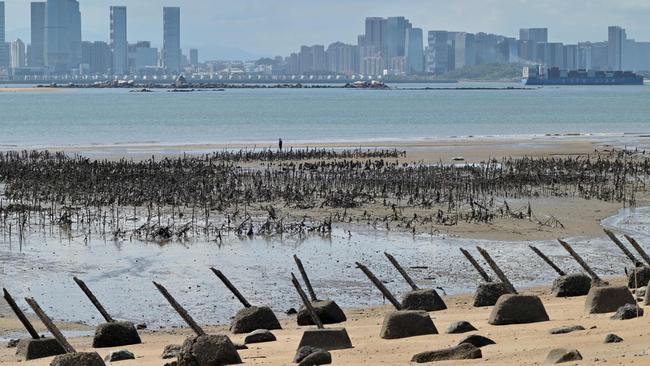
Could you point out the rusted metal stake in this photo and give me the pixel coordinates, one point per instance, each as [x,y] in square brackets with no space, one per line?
[306,302]
[580,261]
[380,286]
[93,299]
[497,270]
[305,278]
[180,310]
[56,333]
[621,246]
[401,270]
[477,266]
[21,316]
[638,248]
[231,287]
[547,260]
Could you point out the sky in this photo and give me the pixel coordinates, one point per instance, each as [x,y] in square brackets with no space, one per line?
[253,28]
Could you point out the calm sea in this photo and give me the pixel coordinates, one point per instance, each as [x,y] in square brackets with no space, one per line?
[109,117]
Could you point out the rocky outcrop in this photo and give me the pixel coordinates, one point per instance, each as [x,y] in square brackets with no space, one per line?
[78,359]
[464,351]
[252,318]
[460,327]
[561,355]
[115,334]
[208,350]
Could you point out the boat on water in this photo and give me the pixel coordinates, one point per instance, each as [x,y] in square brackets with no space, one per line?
[539,75]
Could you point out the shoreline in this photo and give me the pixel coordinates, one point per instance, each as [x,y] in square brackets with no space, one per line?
[431,149]
[526,344]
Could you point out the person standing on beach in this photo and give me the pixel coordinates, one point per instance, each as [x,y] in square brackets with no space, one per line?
[280,144]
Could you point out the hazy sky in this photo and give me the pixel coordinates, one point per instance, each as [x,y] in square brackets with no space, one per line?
[238,28]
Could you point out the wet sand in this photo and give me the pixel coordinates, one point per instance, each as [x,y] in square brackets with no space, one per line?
[429,151]
[516,344]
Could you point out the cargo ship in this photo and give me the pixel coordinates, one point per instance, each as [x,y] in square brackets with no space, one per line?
[538,75]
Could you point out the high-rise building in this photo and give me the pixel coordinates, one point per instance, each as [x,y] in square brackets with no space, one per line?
[615,41]
[414,51]
[554,55]
[119,44]
[194,57]
[142,57]
[293,64]
[539,35]
[62,35]
[18,54]
[305,60]
[465,50]
[593,56]
[527,50]
[394,42]
[375,32]
[372,66]
[509,50]
[4,53]
[171,52]
[320,58]
[385,38]
[312,59]
[486,48]
[440,52]
[343,58]
[570,57]
[37,46]
[96,57]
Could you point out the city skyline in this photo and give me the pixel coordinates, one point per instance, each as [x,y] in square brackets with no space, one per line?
[240,30]
[388,46]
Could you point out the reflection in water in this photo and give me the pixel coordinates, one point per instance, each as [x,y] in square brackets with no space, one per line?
[120,272]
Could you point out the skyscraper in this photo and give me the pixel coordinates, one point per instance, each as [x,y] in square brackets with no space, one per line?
[414,51]
[4,53]
[142,56]
[171,52]
[119,44]
[440,55]
[539,35]
[615,40]
[96,57]
[465,50]
[37,50]
[62,35]
[570,57]
[375,31]
[194,57]
[395,38]
[17,54]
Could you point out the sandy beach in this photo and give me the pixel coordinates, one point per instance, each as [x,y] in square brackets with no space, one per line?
[428,151]
[28,90]
[515,344]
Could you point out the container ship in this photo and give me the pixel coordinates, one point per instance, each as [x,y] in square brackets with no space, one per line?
[538,75]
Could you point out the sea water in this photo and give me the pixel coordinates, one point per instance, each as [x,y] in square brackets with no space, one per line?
[117,117]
